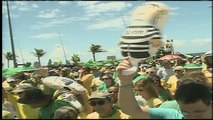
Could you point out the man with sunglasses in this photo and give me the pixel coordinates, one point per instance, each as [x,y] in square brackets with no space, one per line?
[103,107]
[193,97]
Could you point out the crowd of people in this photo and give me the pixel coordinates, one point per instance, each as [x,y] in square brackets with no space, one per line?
[162,89]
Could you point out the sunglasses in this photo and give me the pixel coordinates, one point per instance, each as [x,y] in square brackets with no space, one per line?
[113,91]
[94,103]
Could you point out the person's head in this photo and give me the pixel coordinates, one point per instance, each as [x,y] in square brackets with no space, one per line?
[87,70]
[150,71]
[101,102]
[66,112]
[21,88]
[194,98]
[145,88]
[208,58]
[113,90]
[166,64]
[31,82]
[65,72]
[12,82]
[37,77]
[108,79]
[189,59]
[179,70]
[53,73]
[180,62]
[35,98]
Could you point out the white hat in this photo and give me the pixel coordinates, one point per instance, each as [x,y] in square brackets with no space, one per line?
[208,53]
[10,79]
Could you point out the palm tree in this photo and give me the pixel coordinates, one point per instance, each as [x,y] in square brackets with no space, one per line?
[9,56]
[95,49]
[75,58]
[39,53]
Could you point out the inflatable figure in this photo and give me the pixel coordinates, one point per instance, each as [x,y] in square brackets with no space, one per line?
[143,37]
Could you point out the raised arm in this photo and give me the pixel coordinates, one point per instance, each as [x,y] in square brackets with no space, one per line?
[127,99]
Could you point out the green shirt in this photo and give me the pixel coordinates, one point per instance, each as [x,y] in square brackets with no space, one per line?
[164,113]
[48,111]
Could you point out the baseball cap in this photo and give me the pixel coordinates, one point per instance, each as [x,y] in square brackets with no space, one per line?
[178,68]
[22,87]
[208,53]
[10,79]
[99,95]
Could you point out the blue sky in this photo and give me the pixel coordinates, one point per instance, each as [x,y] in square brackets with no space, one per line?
[38,24]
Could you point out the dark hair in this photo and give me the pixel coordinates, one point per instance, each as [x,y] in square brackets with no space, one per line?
[62,113]
[147,84]
[190,92]
[198,75]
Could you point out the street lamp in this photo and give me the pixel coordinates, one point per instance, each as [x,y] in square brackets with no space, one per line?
[11,36]
[63,49]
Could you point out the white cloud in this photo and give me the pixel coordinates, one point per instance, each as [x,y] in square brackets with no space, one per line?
[52,23]
[111,23]
[173,13]
[22,6]
[192,46]
[21,3]
[106,7]
[24,9]
[95,8]
[45,36]
[174,8]
[12,15]
[87,3]
[35,6]
[50,13]
[64,2]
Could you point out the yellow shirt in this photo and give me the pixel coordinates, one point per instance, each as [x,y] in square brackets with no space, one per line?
[27,112]
[96,82]
[173,83]
[117,115]
[24,111]
[87,81]
[208,75]
[154,102]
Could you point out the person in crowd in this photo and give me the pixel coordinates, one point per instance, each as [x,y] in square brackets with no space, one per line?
[162,91]
[7,106]
[179,72]
[36,77]
[103,108]
[96,82]
[44,103]
[7,115]
[25,110]
[66,112]
[145,88]
[113,90]
[9,85]
[196,75]
[86,78]
[77,99]
[180,62]
[194,99]
[150,72]
[166,71]
[207,70]
[108,81]
[189,60]
[65,72]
